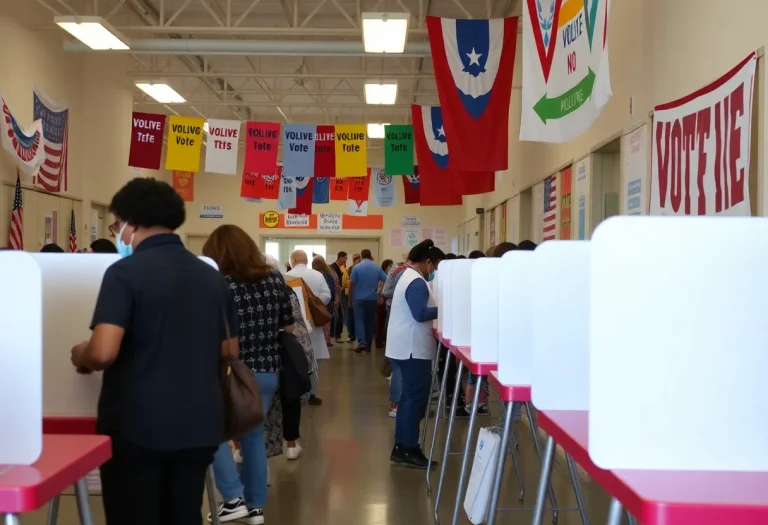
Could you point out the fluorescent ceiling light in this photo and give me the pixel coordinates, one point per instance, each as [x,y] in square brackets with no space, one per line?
[383,93]
[376,131]
[93,31]
[384,32]
[163,93]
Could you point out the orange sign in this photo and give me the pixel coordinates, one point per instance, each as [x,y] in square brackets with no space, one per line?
[348,222]
[184,184]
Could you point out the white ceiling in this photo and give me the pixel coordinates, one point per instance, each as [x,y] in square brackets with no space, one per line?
[301,89]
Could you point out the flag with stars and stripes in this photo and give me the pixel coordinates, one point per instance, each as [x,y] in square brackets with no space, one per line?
[550,208]
[16,232]
[72,234]
[52,174]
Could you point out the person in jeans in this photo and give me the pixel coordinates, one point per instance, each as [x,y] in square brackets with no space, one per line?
[365,283]
[412,348]
[264,308]
[396,379]
[158,333]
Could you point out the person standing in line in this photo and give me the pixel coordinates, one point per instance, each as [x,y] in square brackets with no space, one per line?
[351,326]
[319,264]
[338,267]
[396,379]
[263,308]
[365,283]
[412,346]
[319,287]
[103,246]
[158,333]
[381,308]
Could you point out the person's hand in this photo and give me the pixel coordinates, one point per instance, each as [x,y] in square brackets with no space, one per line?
[380,300]
[77,355]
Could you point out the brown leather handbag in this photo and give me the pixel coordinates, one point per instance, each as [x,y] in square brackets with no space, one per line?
[320,314]
[243,406]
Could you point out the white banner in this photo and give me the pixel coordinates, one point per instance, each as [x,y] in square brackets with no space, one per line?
[329,222]
[286,199]
[25,145]
[701,148]
[384,191]
[221,146]
[357,207]
[566,79]
[293,220]
[635,178]
[581,208]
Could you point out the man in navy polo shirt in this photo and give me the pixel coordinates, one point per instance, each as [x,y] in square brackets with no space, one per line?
[364,286]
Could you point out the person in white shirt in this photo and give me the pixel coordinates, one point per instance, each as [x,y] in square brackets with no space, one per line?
[412,347]
[319,287]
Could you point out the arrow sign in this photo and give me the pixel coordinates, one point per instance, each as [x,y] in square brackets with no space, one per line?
[565,104]
[591,15]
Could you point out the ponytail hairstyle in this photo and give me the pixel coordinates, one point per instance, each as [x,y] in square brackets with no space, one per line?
[426,251]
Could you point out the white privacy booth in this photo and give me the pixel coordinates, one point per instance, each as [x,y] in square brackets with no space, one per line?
[515,316]
[70,287]
[678,334]
[560,326]
[21,376]
[460,285]
[445,295]
[484,330]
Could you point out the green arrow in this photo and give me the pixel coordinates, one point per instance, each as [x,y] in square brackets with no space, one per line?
[565,104]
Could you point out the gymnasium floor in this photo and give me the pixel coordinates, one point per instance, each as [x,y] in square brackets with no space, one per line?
[344,475]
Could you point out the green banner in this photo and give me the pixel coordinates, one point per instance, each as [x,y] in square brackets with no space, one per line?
[565,104]
[398,149]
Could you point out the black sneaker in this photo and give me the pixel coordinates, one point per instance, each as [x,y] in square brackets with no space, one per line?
[461,411]
[314,400]
[255,517]
[415,458]
[483,410]
[231,510]
[396,457]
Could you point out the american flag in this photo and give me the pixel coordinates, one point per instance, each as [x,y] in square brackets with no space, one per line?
[72,234]
[550,208]
[16,234]
[52,175]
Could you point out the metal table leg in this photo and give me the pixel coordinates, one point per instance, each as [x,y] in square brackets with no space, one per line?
[466,453]
[630,518]
[542,489]
[451,419]
[516,462]
[438,415]
[83,505]
[210,488]
[499,473]
[12,519]
[577,489]
[537,446]
[53,510]
[435,366]
[615,513]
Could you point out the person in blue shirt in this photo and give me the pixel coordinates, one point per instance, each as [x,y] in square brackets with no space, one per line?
[364,286]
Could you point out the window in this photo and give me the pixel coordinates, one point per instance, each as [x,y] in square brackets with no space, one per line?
[312,250]
[273,248]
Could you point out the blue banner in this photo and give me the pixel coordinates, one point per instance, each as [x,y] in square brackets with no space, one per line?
[321,191]
[299,150]
[287,197]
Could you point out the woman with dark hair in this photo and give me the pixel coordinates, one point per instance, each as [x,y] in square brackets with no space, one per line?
[51,248]
[264,308]
[412,349]
[526,245]
[332,280]
[476,254]
[502,248]
[103,246]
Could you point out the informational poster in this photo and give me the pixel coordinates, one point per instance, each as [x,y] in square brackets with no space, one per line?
[701,148]
[48,229]
[185,142]
[293,220]
[351,152]
[329,222]
[635,177]
[94,225]
[440,237]
[222,146]
[412,237]
[396,238]
[492,227]
[208,211]
[428,233]
[565,204]
[410,220]
[503,222]
[582,198]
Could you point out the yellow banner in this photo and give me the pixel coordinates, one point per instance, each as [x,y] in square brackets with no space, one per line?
[351,153]
[185,138]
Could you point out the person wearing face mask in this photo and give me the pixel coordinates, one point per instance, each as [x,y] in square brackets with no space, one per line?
[412,347]
[158,333]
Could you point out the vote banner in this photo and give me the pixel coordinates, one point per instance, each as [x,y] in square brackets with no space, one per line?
[261,142]
[351,152]
[701,148]
[258,186]
[321,187]
[299,150]
[398,149]
[384,192]
[566,80]
[184,184]
[146,140]
[222,145]
[325,152]
[338,189]
[286,199]
[303,186]
[357,195]
[185,139]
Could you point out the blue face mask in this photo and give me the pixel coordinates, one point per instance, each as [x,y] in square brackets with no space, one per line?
[431,276]
[123,249]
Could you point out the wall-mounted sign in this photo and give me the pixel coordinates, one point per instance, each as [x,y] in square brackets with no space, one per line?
[211,212]
[271,219]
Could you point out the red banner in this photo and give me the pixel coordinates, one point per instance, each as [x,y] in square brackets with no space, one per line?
[338,189]
[261,143]
[256,186]
[358,187]
[325,152]
[146,140]
[411,187]
[184,184]
[303,196]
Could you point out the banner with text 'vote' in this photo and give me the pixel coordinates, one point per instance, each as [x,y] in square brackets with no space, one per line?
[261,142]
[222,145]
[325,152]
[351,151]
[146,140]
[566,78]
[287,197]
[701,148]
[299,150]
[398,149]
[338,189]
[185,140]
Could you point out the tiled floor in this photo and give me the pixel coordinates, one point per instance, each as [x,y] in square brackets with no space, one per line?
[344,475]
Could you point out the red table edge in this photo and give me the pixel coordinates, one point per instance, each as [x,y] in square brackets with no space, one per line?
[513,393]
[478,369]
[69,425]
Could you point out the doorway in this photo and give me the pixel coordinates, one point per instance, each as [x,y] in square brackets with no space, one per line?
[606,181]
[329,247]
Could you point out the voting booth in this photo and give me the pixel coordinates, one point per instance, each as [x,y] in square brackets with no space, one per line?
[21,355]
[443,297]
[678,334]
[515,317]
[460,307]
[484,304]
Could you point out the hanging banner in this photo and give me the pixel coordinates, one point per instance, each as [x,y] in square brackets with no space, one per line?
[583,203]
[299,150]
[325,152]
[384,192]
[411,187]
[357,197]
[635,178]
[287,197]
[222,146]
[321,187]
[701,148]
[329,222]
[398,149]
[52,173]
[146,140]
[256,186]
[303,204]
[184,184]
[24,145]
[338,189]
[565,204]
[185,139]
[261,141]
[351,153]
[566,81]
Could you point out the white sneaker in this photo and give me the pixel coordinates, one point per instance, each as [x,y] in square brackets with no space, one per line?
[292,453]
